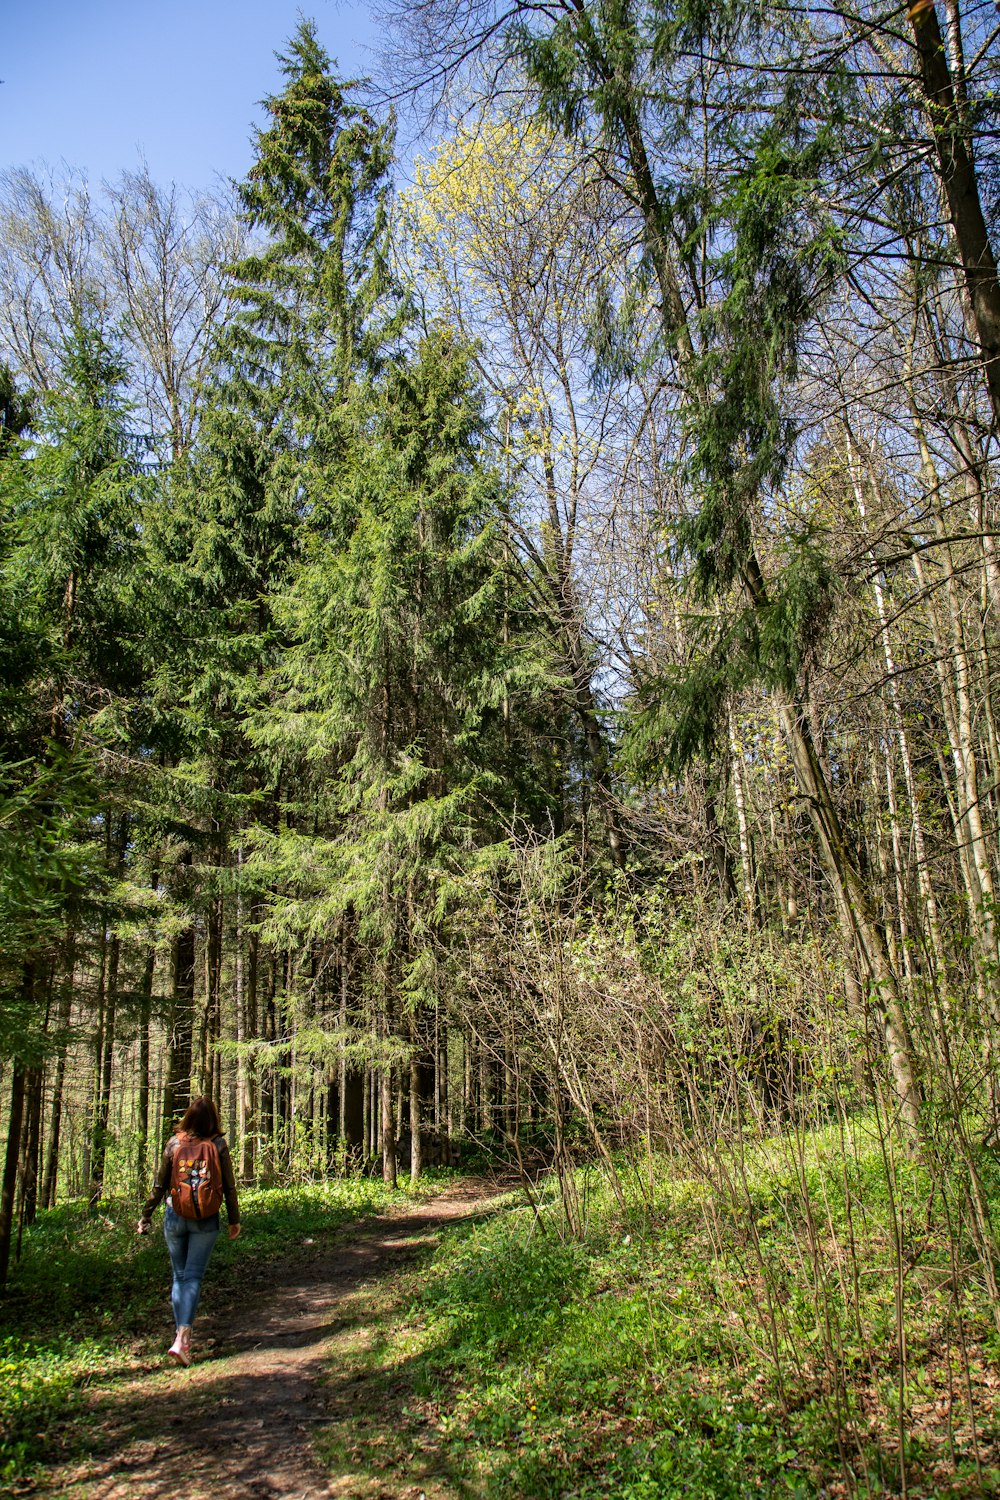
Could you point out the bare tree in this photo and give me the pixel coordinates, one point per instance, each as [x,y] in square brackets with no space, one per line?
[166,254]
[141,265]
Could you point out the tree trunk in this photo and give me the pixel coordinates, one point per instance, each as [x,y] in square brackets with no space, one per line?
[748,873]
[8,1190]
[241,1008]
[416,1137]
[103,1112]
[14,1121]
[50,1180]
[177,1089]
[388,1133]
[957,173]
[211,1019]
[145,1008]
[30,1140]
[251,1078]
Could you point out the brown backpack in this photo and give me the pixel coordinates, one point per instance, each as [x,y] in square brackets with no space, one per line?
[195,1178]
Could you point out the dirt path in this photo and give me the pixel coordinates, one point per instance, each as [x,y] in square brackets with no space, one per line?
[268,1378]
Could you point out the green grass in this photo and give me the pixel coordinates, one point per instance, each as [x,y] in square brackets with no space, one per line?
[570,1370]
[696,1346]
[90,1296]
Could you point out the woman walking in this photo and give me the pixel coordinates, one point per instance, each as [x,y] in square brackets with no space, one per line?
[197,1173]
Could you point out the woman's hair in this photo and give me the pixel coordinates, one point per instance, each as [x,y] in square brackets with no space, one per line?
[201,1118]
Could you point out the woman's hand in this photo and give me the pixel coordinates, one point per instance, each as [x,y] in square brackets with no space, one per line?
[142,1227]
[234,1231]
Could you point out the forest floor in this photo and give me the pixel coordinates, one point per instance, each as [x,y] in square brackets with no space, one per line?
[285,1357]
[663,1343]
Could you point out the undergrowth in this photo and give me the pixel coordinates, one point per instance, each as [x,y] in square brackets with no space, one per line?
[679,1345]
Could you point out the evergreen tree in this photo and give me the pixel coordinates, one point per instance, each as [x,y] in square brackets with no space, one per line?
[311,311]
[71,523]
[313,305]
[397,688]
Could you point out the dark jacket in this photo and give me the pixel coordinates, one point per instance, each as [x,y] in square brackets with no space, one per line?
[162,1184]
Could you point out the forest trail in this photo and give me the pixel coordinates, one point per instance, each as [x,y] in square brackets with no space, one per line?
[268,1376]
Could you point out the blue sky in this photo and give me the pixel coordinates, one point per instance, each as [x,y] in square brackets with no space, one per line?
[100,84]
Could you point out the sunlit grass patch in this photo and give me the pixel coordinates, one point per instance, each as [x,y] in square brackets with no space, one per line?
[39,1384]
[786,1323]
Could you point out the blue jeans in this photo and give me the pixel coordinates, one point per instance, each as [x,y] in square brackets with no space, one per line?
[190,1242]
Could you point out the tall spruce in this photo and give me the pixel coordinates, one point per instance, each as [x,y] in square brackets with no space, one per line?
[396,692]
[72,507]
[311,316]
